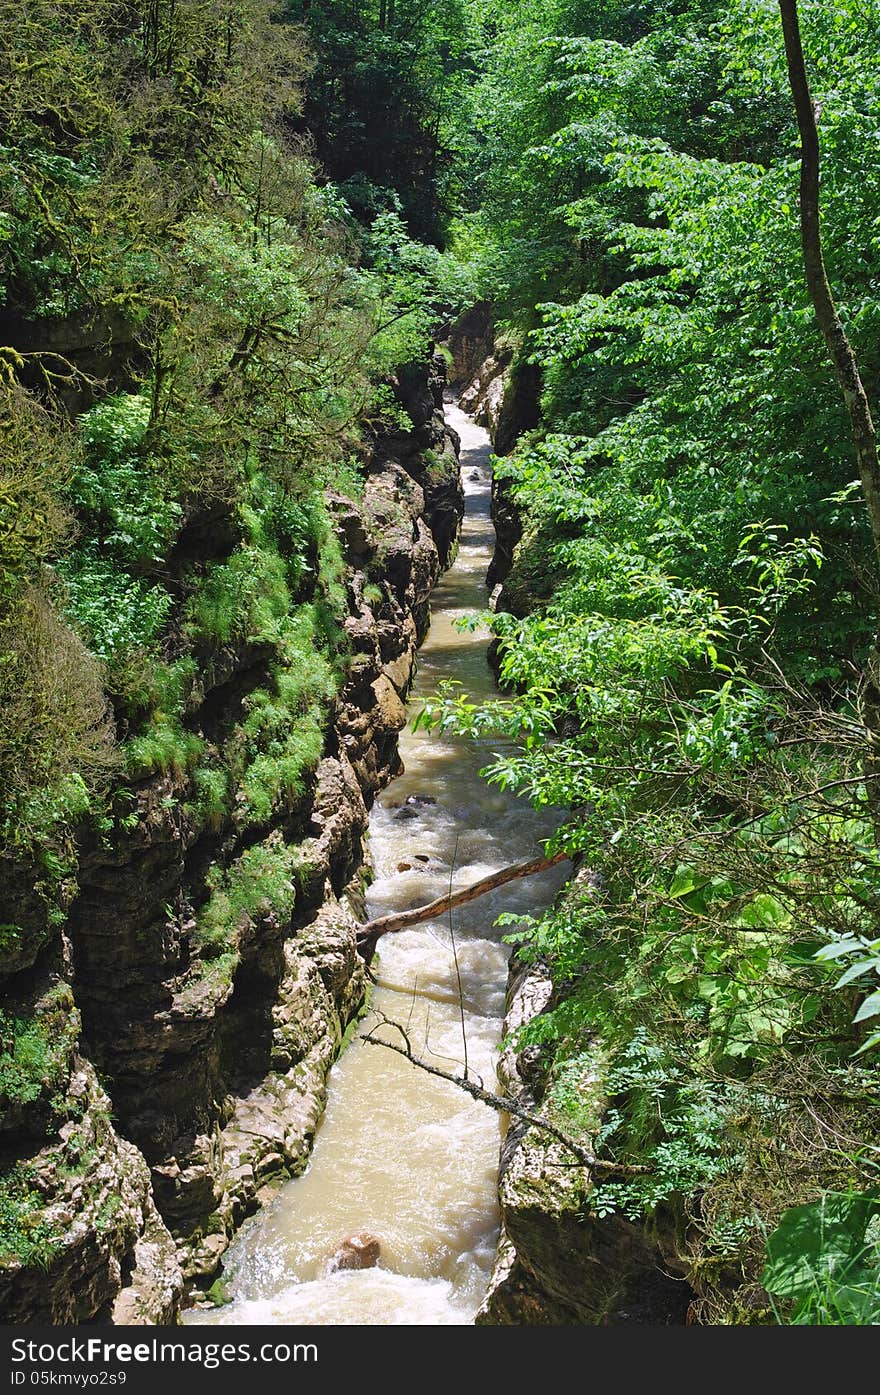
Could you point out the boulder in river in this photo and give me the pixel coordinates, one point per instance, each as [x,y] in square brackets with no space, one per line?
[358,1251]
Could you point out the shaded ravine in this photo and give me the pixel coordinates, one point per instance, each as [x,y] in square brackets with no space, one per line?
[406,1157]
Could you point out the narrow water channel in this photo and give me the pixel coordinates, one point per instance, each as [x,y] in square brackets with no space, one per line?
[400,1154]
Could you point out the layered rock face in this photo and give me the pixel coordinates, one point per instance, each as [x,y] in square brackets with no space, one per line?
[212,1069]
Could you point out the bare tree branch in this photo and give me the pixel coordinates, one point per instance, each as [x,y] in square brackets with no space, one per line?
[503,1103]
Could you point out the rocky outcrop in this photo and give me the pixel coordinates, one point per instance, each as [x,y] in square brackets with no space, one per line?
[88,1241]
[556,1263]
[496,383]
[471,342]
[214,1064]
[483,396]
[503,394]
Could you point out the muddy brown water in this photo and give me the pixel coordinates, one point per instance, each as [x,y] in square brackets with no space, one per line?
[401,1155]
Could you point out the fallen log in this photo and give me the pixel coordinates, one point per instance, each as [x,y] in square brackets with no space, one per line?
[400,920]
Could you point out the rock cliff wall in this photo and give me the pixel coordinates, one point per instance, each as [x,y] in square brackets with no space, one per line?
[163,1086]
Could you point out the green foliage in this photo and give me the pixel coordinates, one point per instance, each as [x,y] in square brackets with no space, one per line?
[37,457]
[28,1065]
[243,599]
[410,285]
[418,51]
[55,740]
[279,774]
[862,957]
[210,803]
[116,487]
[25,1233]
[281,738]
[116,613]
[825,1258]
[35,1052]
[688,609]
[163,748]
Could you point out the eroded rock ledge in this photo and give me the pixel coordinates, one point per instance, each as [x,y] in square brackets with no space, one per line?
[557,1265]
[179,1091]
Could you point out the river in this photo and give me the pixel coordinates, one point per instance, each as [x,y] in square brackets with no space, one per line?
[409,1158]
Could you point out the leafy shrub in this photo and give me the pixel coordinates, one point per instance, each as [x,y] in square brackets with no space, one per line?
[245,598]
[117,485]
[30,1062]
[56,741]
[115,612]
[25,1233]
[37,458]
[164,746]
[280,773]
[210,804]
[261,882]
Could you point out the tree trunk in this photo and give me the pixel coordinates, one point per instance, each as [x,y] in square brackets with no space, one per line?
[840,351]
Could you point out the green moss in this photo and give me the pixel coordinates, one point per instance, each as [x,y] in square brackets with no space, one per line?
[354,1022]
[261,882]
[218,1294]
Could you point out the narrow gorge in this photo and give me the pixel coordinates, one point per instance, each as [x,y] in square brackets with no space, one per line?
[439,478]
[408,1160]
